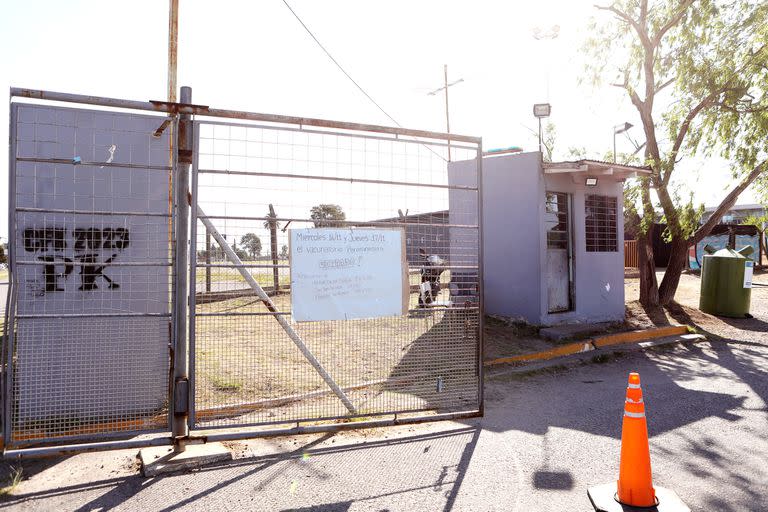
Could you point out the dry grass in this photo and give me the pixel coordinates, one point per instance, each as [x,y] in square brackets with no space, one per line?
[243,359]
[14,479]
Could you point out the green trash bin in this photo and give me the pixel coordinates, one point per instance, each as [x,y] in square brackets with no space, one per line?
[726,282]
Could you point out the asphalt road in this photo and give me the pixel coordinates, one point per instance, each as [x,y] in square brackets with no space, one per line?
[544,440]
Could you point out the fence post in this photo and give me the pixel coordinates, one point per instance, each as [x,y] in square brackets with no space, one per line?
[179,428]
[207,260]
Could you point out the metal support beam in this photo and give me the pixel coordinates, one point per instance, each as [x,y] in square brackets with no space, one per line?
[271,307]
[188,108]
[179,427]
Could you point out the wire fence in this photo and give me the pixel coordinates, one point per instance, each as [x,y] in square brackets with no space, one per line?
[88,335]
[256,183]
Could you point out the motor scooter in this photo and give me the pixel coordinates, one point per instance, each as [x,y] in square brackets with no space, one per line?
[433,268]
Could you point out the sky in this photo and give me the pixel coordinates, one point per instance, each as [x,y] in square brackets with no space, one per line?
[255,56]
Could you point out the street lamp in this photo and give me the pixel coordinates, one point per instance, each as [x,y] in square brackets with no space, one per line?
[445,88]
[619,128]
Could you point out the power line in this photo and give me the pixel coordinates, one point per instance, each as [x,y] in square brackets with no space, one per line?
[339,65]
[348,75]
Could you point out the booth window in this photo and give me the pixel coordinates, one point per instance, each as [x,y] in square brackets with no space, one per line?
[601,223]
[556,220]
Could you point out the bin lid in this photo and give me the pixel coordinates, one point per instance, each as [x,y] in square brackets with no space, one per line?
[729,253]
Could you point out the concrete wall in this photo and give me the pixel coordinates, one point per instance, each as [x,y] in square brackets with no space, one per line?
[463,241]
[513,206]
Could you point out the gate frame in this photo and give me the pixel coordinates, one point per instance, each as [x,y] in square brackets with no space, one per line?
[174,110]
[246,431]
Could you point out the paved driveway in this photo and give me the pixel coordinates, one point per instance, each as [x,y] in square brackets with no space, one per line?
[543,441]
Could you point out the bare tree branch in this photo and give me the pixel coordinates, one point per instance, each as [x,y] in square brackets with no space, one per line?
[727,203]
[627,19]
[662,86]
[745,110]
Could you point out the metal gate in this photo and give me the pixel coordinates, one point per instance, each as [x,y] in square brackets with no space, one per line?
[95,348]
[253,364]
[88,320]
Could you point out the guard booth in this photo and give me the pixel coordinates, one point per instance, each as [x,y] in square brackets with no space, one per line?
[553,234]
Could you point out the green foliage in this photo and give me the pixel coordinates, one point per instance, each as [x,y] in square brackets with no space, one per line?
[725,68]
[688,216]
[327,215]
[632,219]
[711,55]
[252,243]
[756,220]
[284,252]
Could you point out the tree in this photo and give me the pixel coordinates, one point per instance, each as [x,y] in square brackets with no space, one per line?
[694,70]
[284,252]
[252,243]
[272,224]
[327,215]
[759,221]
[548,140]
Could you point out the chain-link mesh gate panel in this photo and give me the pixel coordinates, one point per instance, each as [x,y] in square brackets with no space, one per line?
[256,183]
[89,328]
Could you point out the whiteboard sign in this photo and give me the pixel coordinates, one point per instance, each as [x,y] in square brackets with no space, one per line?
[340,274]
[748,269]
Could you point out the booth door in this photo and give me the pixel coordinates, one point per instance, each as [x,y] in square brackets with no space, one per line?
[557,223]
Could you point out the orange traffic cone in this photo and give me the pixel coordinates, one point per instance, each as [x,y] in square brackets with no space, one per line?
[635,487]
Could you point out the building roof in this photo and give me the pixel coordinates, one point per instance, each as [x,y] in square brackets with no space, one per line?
[752,206]
[595,168]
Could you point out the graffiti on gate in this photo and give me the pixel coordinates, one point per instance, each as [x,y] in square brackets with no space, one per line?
[93,250]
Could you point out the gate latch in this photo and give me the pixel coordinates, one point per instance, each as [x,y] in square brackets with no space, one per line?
[181,397]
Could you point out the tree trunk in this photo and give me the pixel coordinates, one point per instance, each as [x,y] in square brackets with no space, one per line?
[649,289]
[677,262]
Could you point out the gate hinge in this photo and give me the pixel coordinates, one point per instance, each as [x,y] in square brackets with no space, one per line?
[181,397]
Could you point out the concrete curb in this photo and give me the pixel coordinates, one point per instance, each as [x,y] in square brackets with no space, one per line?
[591,344]
[597,355]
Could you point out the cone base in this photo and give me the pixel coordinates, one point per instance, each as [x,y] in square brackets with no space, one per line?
[603,500]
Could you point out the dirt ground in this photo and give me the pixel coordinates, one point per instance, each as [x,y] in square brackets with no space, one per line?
[686,310]
[422,360]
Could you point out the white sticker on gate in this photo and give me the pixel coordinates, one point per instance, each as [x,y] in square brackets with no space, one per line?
[341,274]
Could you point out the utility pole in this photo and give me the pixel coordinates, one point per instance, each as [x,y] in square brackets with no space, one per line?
[173,45]
[447,117]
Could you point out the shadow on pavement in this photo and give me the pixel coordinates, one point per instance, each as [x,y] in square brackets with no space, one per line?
[432,464]
[603,401]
